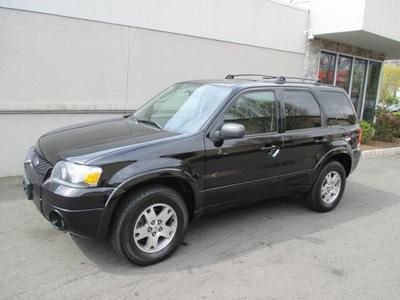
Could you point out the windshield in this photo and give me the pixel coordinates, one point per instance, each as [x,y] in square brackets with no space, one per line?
[184,107]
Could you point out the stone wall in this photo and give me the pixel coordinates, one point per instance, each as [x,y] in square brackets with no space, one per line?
[314,46]
[393,62]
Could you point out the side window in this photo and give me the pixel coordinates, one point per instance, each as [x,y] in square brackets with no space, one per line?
[338,108]
[256,111]
[301,110]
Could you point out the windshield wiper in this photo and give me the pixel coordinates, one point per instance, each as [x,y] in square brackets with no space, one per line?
[125,116]
[150,122]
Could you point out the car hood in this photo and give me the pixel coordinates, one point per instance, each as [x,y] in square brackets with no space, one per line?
[83,142]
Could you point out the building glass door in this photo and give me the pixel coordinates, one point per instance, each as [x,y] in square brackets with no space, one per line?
[374,71]
[357,87]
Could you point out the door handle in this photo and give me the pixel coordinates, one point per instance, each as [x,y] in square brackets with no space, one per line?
[272,150]
[321,141]
[268,148]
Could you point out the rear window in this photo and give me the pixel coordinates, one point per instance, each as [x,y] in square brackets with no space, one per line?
[338,108]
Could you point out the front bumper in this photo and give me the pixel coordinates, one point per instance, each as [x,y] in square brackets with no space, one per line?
[75,210]
[356,159]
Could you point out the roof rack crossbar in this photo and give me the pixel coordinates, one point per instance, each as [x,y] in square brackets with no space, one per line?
[305,79]
[284,79]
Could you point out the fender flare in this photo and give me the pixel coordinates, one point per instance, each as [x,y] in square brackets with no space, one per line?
[137,179]
[331,153]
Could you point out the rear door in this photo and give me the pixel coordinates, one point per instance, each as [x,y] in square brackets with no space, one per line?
[306,137]
[249,167]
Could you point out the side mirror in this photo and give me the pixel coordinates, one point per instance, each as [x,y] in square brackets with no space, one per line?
[232,131]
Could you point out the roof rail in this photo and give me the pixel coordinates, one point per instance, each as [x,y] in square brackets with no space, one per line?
[277,79]
[232,76]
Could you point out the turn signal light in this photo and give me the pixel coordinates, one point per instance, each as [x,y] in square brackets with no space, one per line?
[92,178]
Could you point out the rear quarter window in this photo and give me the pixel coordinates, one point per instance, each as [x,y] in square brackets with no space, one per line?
[338,108]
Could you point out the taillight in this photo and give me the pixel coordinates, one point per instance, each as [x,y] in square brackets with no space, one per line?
[359,136]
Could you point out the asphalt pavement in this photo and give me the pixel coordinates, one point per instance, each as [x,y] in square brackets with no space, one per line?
[277,249]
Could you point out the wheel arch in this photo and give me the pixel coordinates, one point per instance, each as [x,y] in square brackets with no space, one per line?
[345,160]
[340,155]
[176,179]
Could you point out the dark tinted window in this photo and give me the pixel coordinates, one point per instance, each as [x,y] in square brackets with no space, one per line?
[256,111]
[338,108]
[302,110]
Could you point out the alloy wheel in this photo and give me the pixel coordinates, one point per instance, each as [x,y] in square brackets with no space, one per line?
[331,186]
[155,228]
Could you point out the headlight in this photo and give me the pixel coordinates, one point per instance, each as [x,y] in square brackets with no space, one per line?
[71,174]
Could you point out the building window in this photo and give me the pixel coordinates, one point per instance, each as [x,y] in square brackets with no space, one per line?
[358,77]
[343,73]
[357,87]
[327,67]
[374,71]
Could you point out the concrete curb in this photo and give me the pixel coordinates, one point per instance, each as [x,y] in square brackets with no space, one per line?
[380,152]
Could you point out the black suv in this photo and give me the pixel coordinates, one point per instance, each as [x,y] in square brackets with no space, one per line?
[197,147]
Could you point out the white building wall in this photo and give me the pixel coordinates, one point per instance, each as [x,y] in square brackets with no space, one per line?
[18,132]
[52,67]
[382,18]
[379,17]
[369,24]
[54,63]
[260,23]
[329,16]
[159,59]
[58,63]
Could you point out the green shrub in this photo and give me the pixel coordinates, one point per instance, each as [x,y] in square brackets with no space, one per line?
[367,132]
[392,100]
[387,125]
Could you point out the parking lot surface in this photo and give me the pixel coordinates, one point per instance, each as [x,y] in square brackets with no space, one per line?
[273,249]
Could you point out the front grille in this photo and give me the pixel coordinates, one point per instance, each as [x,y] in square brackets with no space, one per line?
[40,164]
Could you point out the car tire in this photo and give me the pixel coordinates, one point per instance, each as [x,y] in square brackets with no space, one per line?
[149,225]
[328,188]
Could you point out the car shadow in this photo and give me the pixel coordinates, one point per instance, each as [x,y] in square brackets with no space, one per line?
[235,232]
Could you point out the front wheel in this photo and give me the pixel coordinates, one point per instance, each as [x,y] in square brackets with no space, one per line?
[150,225]
[327,190]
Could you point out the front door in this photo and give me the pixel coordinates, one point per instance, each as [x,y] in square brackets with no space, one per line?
[245,168]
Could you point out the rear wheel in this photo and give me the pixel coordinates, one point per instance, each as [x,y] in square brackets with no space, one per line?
[150,225]
[327,190]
